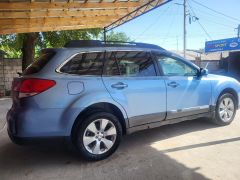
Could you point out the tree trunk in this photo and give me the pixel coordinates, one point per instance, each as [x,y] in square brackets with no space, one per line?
[28,49]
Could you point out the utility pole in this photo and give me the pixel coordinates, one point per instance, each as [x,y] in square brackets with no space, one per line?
[238,29]
[184,28]
[177,43]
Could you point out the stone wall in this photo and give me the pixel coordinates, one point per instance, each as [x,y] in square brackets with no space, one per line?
[2,86]
[8,70]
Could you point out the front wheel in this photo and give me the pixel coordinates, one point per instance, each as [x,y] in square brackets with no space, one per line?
[225,109]
[98,136]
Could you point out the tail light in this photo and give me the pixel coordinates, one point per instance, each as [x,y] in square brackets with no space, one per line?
[31,87]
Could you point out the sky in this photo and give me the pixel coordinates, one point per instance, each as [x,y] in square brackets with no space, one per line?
[164,25]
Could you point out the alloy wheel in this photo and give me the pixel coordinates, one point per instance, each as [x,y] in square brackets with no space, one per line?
[99,136]
[226,109]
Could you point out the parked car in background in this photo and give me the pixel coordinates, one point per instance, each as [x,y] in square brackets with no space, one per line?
[94,92]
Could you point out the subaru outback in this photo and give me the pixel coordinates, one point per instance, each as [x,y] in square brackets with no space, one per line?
[94,92]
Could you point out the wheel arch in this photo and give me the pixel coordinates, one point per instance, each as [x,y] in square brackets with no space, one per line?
[230,91]
[99,107]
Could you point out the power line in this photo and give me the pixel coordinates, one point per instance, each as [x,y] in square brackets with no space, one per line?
[174,37]
[214,22]
[169,28]
[206,12]
[233,18]
[153,23]
[208,35]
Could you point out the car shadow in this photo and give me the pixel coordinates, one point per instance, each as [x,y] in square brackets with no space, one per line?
[135,158]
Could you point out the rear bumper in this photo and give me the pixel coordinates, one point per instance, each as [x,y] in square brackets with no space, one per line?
[36,122]
[38,140]
[12,128]
[26,126]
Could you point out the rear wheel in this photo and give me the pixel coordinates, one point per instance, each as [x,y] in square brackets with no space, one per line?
[225,109]
[98,136]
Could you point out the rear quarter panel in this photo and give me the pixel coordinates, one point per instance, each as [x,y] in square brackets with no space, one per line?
[57,110]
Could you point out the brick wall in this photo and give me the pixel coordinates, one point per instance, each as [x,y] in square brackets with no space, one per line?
[8,70]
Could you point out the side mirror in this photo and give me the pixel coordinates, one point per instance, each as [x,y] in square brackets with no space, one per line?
[203,72]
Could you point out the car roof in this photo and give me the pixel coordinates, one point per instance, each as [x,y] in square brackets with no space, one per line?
[95,45]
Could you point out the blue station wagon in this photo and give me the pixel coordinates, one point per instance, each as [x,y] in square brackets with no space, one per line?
[92,93]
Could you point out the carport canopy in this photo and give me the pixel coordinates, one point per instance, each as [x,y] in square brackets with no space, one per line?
[24,16]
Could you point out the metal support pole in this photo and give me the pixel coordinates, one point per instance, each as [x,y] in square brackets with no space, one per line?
[184,29]
[149,6]
[238,29]
[104,34]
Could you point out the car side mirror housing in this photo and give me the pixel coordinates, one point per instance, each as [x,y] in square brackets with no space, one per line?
[203,72]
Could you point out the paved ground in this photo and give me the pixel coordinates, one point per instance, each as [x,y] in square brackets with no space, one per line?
[5,104]
[189,150]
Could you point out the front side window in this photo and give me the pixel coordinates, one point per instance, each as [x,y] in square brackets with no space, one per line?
[174,67]
[129,63]
[85,64]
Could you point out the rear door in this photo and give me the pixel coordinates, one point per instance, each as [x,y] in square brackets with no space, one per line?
[131,79]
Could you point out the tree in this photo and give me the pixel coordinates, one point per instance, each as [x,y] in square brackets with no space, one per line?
[29,45]
[11,44]
[119,36]
[28,48]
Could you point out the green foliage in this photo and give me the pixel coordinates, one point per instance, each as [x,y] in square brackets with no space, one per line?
[118,36]
[12,44]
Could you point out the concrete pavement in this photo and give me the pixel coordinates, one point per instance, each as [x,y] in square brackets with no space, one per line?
[189,150]
[5,104]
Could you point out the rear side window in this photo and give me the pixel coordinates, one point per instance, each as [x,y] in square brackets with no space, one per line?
[39,64]
[130,63]
[85,64]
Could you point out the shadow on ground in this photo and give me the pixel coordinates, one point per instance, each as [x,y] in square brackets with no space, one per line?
[135,158]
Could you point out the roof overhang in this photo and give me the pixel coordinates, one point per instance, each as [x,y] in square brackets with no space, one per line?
[23,16]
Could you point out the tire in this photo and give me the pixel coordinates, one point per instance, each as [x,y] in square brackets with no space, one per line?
[94,143]
[225,109]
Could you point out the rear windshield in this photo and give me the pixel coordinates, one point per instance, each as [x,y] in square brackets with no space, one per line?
[38,64]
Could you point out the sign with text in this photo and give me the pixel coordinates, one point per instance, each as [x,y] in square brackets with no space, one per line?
[222,45]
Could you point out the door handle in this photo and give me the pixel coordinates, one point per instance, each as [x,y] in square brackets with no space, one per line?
[173,84]
[119,85]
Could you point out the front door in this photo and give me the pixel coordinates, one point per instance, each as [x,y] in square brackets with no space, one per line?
[132,81]
[187,93]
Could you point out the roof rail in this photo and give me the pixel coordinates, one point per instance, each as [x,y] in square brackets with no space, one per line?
[83,43]
[97,43]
